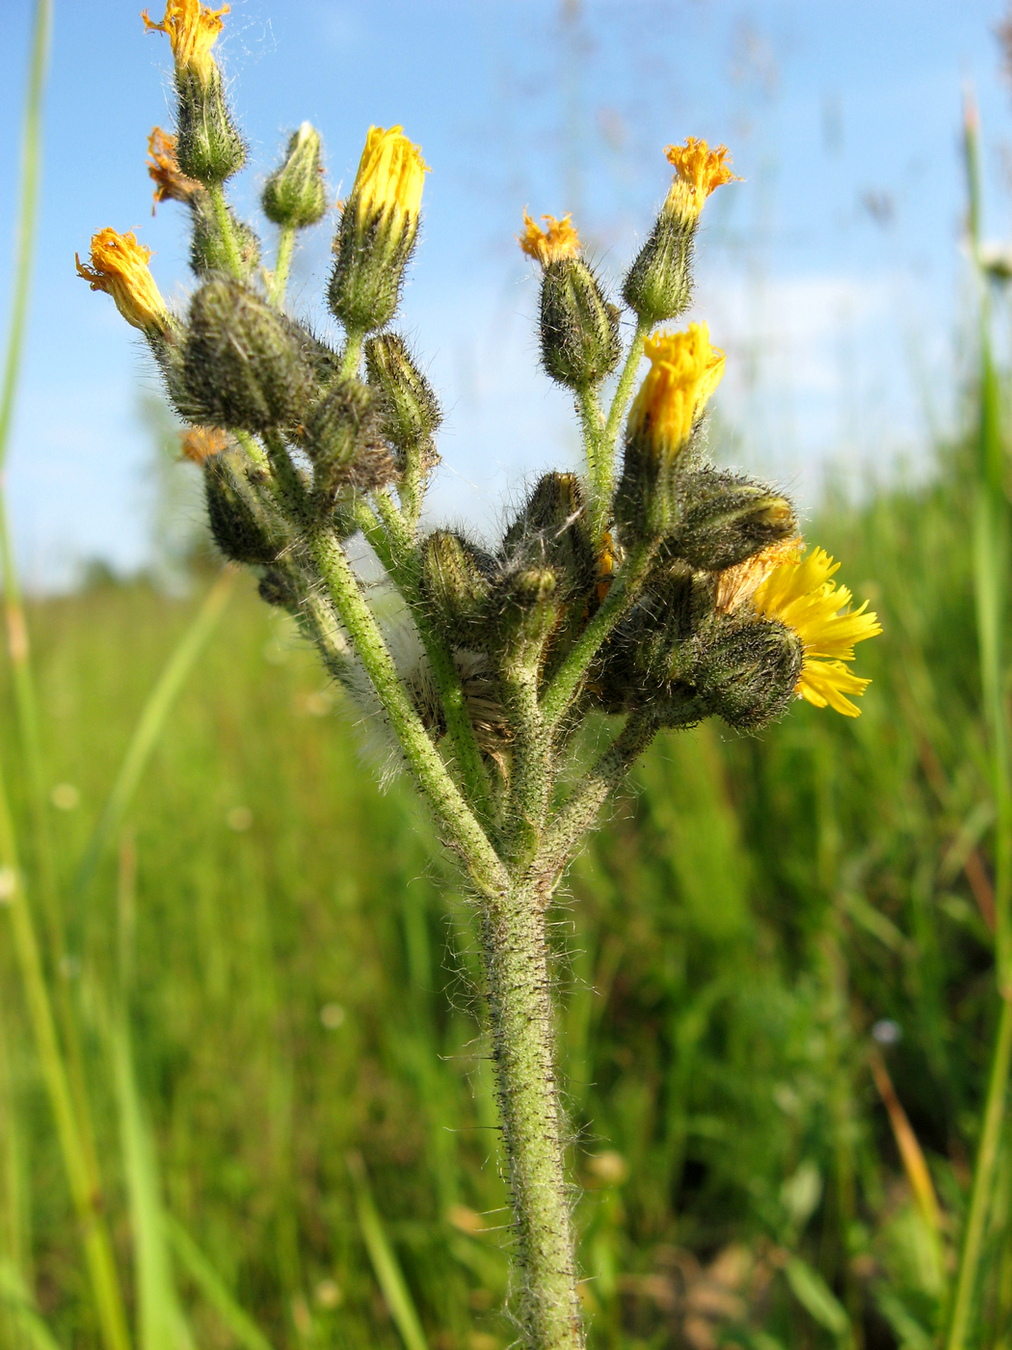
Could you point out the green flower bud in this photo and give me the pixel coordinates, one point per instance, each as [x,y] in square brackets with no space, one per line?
[341,436]
[377,231]
[456,585]
[294,195]
[529,612]
[243,531]
[749,673]
[727,518]
[552,532]
[210,147]
[408,403]
[580,341]
[243,364]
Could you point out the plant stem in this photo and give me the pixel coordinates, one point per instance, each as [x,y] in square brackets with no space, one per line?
[351,356]
[392,547]
[576,816]
[600,461]
[451,809]
[961,1318]
[623,390]
[282,264]
[623,589]
[94,1234]
[523,1049]
[224,222]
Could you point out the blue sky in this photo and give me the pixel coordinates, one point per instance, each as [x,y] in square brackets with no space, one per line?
[832,275]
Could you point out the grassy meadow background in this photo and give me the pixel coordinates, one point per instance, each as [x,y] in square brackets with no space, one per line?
[777,964]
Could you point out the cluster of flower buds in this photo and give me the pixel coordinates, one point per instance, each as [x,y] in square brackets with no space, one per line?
[689,573]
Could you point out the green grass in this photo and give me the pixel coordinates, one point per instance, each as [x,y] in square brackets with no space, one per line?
[302,988]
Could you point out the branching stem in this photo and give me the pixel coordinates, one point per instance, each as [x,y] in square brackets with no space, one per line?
[282,265]
[622,591]
[227,234]
[623,390]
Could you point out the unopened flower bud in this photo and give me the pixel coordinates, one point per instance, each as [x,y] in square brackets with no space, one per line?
[243,531]
[658,285]
[552,532]
[119,266]
[684,371]
[377,232]
[456,585]
[341,436]
[209,148]
[749,673]
[243,364]
[579,330]
[407,401]
[295,195]
[727,518]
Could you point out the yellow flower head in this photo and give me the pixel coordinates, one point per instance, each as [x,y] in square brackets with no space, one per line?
[800,593]
[698,170]
[119,266]
[390,178]
[171,184]
[192,29]
[558,242]
[684,372]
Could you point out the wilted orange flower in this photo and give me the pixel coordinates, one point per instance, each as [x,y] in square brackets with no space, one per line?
[558,242]
[192,29]
[119,266]
[200,443]
[171,184]
[698,171]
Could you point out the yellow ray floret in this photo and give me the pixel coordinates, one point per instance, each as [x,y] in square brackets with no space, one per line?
[200,443]
[684,372]
[800,593]
[119,266]
[171,184]
[698,170]
[391,175]
[558,242]
[192,29]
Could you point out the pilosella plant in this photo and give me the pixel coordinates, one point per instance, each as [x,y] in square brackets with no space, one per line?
[653,587]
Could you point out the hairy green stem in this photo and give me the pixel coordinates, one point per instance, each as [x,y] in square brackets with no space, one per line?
[575,818]
[393,549]
[523,1050]
[600,461]
[94,1233]
[623,390]
[227,234]
[452,811]
[351,356]
[531,780]
[282,265]
[622,591]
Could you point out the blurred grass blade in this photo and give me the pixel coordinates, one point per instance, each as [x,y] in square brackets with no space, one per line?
[244,1330]
[16,1297]
[991,564]
[151,723]
[161,1325]
[910,1150]
[909,1332]
[384,1262]
[817,1299]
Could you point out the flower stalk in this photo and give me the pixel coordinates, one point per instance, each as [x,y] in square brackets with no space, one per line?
[602,597]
